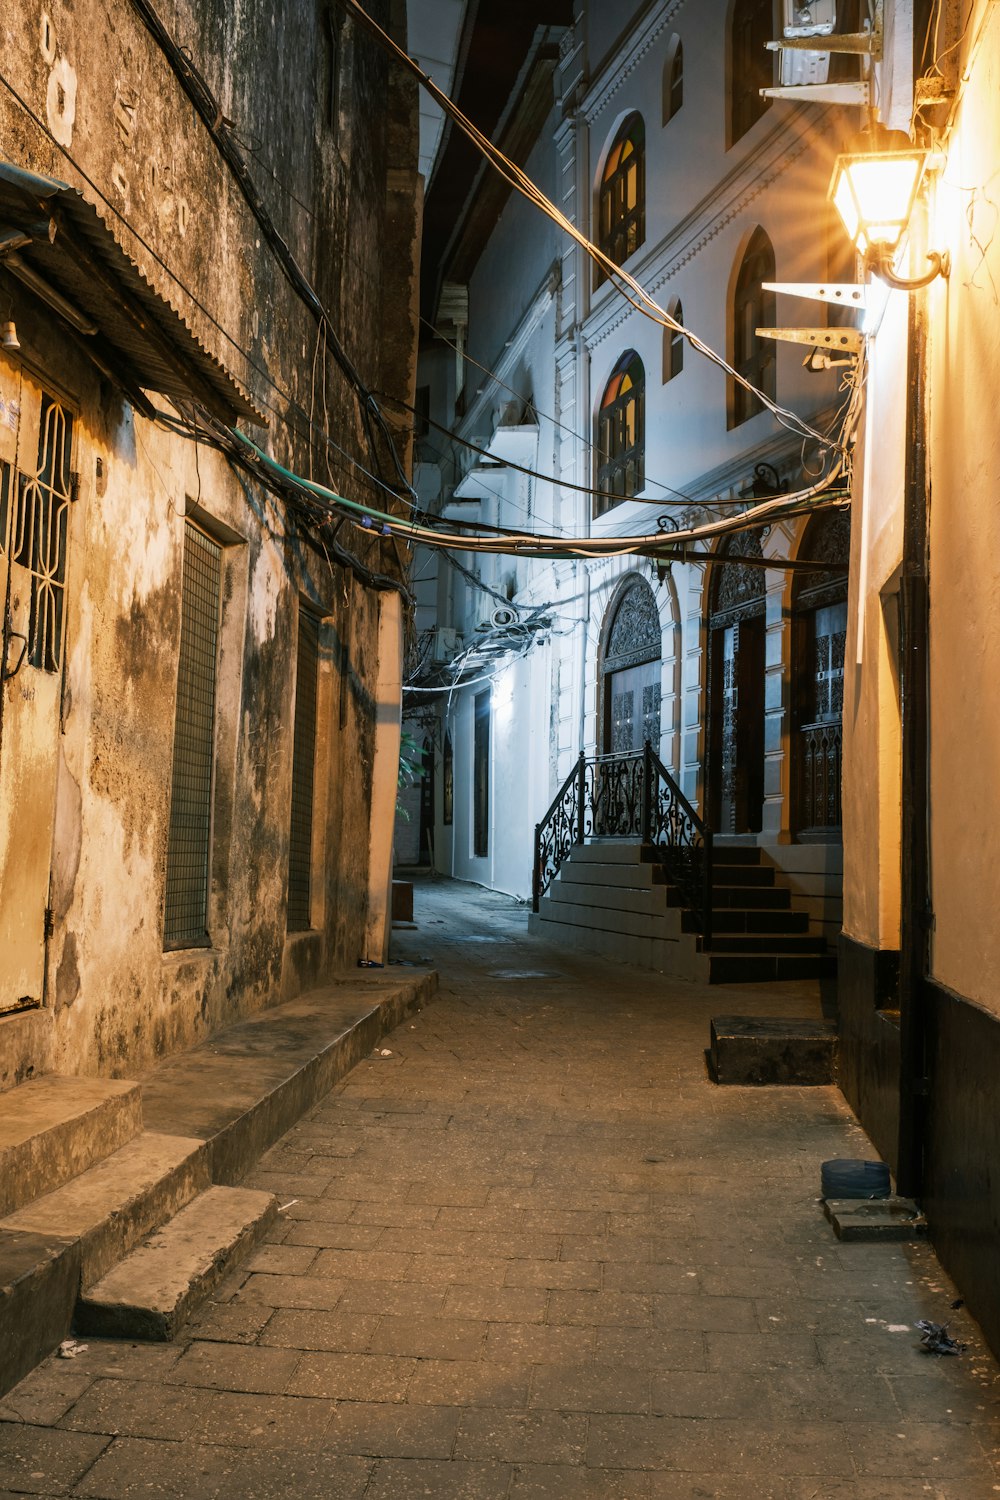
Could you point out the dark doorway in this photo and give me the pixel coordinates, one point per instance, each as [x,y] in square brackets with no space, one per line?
[427,803]
[481,776]
[736,694]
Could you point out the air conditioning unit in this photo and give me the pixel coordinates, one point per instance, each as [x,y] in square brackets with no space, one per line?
[445,644]
[818,18]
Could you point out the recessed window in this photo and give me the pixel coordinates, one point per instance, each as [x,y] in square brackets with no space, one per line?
[673,344]
[622,208]
[673,79]
[753,308]
[300,841]
[189,839]
[751,65]
[621,435]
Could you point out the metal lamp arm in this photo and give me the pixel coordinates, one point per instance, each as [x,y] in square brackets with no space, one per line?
[881,264]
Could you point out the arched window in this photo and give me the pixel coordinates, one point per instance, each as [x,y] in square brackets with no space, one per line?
[621,435]
[753,308]
[622,210]
[673,79]
[751,65]
[673,344]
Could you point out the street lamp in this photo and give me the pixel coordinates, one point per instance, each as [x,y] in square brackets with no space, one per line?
[874,193]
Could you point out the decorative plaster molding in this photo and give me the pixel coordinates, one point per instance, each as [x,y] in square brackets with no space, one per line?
[625,60]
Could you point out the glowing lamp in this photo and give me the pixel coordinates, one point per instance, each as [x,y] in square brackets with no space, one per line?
[874,194]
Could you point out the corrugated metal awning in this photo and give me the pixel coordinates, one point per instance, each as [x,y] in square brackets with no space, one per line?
[50,231]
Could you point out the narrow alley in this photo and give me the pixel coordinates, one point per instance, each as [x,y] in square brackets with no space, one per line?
[527,1249]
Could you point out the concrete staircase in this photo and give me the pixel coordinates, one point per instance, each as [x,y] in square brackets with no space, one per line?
[88,1192]
[612,897]
[113,1221]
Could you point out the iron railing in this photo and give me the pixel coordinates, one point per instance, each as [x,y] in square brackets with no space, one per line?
[629,796]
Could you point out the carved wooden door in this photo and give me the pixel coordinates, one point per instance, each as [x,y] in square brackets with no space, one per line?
[738,722]
[36,434]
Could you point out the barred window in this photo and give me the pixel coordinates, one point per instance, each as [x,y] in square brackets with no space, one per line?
[189,838]
[303,774]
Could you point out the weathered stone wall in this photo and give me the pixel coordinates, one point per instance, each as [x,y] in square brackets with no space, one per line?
[111,119]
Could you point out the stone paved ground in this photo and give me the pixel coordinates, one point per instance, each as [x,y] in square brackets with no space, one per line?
[535,1253]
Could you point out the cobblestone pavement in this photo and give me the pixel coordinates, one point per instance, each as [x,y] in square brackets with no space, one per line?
[532,1252]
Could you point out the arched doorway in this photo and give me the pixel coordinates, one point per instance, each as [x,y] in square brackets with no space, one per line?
[736,694]
[819,602]
[630,672]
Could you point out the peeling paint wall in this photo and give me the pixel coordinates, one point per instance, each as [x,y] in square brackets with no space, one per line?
[103,112]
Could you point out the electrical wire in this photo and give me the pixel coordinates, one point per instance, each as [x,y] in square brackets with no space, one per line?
[562,426]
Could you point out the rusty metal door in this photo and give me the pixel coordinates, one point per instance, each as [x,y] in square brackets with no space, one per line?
[36,434]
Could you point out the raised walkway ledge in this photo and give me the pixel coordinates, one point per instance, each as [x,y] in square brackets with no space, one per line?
[94,1167]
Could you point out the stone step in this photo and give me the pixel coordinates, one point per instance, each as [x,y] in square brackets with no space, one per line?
[650,901]
[54,1128]
[760,898]
[118,1201]
[623,876]
[152,1292]
[735,854]
[757,968]
[758,1050]
[731,919]
[662,925]
[767,942]
[732,874]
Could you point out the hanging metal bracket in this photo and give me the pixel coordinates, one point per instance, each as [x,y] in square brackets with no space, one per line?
[838,340]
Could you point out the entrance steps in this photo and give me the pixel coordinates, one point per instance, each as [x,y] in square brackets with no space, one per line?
[613,897]
[112,1219]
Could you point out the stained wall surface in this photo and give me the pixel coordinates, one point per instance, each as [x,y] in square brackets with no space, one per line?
[331,140]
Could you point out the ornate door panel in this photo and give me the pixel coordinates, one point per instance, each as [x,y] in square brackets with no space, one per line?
[631,672]
[634,704]
[34,524]
[820,611]
[736,713]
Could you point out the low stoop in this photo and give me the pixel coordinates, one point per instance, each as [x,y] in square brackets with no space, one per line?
[153,1291]
[89,1192]
[755,1050]
[54,1128]
[117,1202]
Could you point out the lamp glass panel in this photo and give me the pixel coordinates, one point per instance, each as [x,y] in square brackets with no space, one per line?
[846,204]
[884,188]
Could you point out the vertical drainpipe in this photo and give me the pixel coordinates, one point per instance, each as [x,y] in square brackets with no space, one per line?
[914,619]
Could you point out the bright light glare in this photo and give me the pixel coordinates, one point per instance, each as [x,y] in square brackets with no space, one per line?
[874,196]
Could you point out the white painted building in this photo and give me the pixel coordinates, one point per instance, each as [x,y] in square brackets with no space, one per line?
[728,670]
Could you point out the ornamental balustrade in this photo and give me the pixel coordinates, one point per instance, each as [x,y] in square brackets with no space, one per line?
[629,796]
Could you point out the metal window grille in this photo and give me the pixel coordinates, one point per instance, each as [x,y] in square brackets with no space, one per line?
[190,836]
[303,775]
[38,543]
